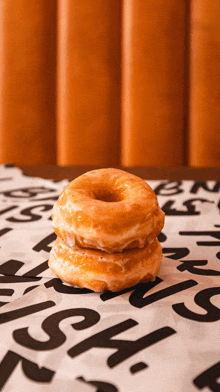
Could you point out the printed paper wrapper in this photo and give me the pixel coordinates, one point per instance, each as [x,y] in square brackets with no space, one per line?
[158,336]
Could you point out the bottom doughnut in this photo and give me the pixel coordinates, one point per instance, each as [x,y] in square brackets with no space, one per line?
[100,271]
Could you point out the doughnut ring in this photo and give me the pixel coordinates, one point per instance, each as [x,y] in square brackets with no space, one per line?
[107,209]
[99,271]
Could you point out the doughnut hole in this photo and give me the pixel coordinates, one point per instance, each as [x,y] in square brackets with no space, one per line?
[108,195]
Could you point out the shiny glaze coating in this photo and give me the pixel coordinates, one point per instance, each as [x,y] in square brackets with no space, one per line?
[99,271]
[107,209]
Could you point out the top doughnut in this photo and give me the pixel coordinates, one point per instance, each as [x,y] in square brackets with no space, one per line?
[107,209]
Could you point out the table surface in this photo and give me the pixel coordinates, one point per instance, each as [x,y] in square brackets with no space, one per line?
[170,326]
[149,173]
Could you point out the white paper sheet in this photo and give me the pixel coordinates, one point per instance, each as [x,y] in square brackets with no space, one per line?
[162,336]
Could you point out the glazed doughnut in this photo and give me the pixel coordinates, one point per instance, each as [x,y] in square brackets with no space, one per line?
[107,209]
[99,271]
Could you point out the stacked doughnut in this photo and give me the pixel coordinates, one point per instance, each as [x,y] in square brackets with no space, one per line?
[107,222]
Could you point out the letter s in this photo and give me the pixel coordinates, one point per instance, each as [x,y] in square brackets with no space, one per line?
[202,299]
[51,326]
